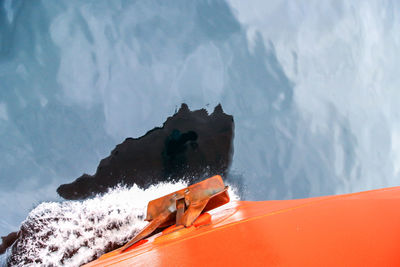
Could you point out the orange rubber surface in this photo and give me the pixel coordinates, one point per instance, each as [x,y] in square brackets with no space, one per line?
[360,229]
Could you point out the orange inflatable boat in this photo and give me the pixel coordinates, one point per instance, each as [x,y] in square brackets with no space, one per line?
[203,229]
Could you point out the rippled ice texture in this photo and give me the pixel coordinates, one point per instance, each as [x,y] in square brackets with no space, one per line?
[313,87]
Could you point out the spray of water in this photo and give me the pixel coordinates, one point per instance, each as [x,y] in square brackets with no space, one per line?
[312,85]
[72,233]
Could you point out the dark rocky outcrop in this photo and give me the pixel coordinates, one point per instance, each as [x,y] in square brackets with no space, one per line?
[7,241]
[190,144]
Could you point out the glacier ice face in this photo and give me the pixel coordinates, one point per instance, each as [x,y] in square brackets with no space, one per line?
[312,89]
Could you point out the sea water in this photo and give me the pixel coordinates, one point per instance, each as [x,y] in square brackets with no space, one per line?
[313,88]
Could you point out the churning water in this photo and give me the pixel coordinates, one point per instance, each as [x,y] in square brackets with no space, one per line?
[313,88]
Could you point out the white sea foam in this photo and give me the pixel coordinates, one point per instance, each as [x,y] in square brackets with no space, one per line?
[72,233]
[312,85]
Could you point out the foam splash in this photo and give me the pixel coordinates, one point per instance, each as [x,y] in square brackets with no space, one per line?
[73,233]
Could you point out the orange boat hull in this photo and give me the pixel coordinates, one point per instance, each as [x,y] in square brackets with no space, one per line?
[360,229]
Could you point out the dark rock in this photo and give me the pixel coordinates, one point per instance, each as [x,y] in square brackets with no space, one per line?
[190,145]
[7,241]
